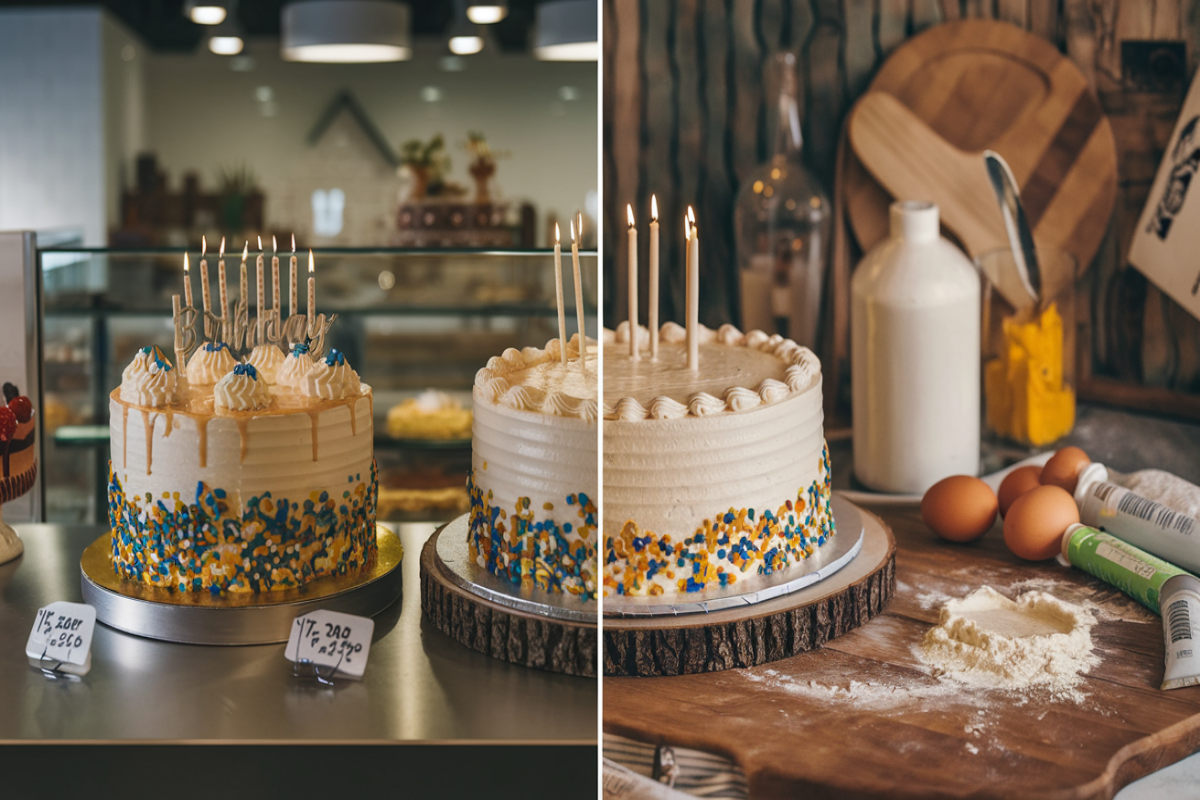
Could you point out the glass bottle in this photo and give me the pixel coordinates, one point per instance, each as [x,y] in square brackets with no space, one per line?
[782,224]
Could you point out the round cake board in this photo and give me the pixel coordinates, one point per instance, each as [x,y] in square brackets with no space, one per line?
[233,619]
[522,625]
[748,635]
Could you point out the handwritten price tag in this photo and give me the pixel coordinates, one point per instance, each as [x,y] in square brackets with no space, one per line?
[62,633]
[331,639]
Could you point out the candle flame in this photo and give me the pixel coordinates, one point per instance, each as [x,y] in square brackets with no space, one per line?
[653,208]
[310,263]
[557,237]
[203,246]
[274,244]
[691,215]
[260,244]
[222,255]
[572,231]
[579,215]
[246,250]
[293,244]
[629,211]
[687,229]
[185,264]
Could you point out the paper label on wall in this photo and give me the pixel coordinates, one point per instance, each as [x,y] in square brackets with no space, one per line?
[331,639]
[62,632]
[1167,237]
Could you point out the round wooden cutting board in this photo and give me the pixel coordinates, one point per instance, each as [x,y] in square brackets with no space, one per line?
[982,84]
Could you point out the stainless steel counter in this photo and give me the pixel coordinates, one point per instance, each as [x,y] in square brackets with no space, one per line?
[419,683]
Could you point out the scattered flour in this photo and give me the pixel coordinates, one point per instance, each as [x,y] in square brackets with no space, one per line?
[987,640]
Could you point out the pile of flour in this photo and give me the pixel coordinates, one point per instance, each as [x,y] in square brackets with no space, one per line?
[987,640]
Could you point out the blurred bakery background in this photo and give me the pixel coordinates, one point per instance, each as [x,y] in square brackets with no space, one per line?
[428,182]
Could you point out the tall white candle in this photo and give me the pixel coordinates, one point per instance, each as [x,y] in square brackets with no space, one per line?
[187,282]
[633,285]
[275,275]
[693,290]
[243,286]
[292,305]
[558,290]
[312,294]
[262,292]
[224,292]
[579,296]
[204,296]
[652,311]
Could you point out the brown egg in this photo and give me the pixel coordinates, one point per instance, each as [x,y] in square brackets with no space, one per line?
[1064,467]
[960,508]
[1017,483]
[1036,521]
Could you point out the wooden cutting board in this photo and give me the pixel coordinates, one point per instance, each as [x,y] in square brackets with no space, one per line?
[981,84]
[861,717]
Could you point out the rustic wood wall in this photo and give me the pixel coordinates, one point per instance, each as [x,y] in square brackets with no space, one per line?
[688,112]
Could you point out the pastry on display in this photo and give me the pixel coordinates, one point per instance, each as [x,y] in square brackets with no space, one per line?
[18,460]
[430,415]
[534,468]
[222,480]
[711,475]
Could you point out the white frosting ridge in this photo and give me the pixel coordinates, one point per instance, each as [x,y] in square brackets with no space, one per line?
[738,372]
[209,364]
[295,366]
[241,390]
[267,359]
[278,451]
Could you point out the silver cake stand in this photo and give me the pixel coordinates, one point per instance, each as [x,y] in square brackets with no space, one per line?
[232,619]
[452,552]
[747,591]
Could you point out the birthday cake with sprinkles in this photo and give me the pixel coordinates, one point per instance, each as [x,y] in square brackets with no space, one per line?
[715,474]
[532,520]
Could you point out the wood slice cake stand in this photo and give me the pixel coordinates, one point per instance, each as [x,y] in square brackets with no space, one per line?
[525,626]
[748,635]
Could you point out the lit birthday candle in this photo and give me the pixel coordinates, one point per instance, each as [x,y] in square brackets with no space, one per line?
[292,305]
[312,293]
[633,285]
[224,291]
[262,294]
[204,276]
[275,275]
[187,282]
[652,311]
[693,294]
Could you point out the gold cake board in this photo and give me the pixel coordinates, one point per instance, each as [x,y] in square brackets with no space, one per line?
[233,619]
[523,625]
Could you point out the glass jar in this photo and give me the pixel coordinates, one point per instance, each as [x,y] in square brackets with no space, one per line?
[1029,350]
[782,224]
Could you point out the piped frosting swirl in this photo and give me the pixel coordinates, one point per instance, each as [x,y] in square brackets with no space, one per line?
[150,379]
[564,388]
[295,366]
[211,362]
[267,359]
[331,378]
[242,389]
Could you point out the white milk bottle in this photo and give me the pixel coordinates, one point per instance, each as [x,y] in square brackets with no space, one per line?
[914,347]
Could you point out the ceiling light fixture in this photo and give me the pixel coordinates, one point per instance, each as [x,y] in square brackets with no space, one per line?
[205,12]
[346,31]
[465,38]
[567,30]
[487,13]
[226,39]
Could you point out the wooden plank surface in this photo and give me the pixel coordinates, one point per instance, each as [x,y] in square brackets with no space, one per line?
[862,716]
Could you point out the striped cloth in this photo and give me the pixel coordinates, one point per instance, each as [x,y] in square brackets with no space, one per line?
[635,770]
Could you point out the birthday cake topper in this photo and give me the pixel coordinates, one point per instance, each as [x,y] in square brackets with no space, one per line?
[194,327]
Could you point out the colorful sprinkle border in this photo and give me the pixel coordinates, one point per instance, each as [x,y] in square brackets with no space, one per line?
[531,549]
[208,544]
[639,563]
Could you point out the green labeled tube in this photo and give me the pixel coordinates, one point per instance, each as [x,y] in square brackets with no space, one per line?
[1130,569]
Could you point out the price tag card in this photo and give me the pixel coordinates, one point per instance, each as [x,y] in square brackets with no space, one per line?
[62,633]
[331,639]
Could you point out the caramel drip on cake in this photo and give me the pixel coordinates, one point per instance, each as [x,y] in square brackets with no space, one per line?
[202,432]
[148,425]
[314,416]
[353,420]
[170,416]
[243,435]
[125,437]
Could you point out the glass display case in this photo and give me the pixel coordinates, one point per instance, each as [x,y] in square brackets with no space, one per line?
[408,321]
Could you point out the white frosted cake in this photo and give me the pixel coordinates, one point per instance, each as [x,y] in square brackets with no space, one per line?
[226,480]
[711,475]
[534,468]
